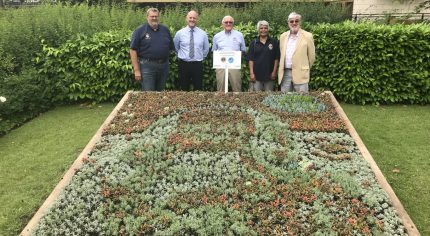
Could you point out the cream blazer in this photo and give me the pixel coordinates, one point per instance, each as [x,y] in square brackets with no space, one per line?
[303,57]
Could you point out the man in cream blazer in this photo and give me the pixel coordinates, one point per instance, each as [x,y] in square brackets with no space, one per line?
[297,57]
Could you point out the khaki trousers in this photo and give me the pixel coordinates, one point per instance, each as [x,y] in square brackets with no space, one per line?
[234,79]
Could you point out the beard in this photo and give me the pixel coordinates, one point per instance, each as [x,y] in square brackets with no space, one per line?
[294,30]
[154,24]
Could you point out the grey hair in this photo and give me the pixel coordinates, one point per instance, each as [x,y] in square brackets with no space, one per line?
[294,15]
[223,19]
[152,9]
[262,22]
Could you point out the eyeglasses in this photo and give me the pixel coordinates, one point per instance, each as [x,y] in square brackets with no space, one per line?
[228,22]
[294,21]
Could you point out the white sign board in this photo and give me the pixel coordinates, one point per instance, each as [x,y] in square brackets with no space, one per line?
[227,59]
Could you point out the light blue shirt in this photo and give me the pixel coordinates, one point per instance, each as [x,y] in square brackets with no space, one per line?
[231,41]
[182,44]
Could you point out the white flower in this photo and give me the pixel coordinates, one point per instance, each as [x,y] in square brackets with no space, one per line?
[2,99]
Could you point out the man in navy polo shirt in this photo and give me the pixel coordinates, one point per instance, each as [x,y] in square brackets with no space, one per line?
[150,48]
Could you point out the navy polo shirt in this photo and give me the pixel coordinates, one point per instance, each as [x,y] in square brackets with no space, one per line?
[263,56]
[150,43]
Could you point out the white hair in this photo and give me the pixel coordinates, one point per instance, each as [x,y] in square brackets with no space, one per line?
[262,22]
[294,15]
[223,19]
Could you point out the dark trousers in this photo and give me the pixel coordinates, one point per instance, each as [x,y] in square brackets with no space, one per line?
[190,73]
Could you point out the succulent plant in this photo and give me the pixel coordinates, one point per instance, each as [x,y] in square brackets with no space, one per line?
[247,164]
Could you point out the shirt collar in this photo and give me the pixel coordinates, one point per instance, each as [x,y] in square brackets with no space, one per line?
[189,28]
[295,36]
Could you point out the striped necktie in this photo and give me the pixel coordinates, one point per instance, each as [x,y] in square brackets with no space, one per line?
[191,55]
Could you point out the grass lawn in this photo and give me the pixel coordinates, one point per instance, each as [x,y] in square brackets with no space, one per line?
[35,156]
[398,137]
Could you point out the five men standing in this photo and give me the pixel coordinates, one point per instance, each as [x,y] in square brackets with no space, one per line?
[191,46]
[151,44]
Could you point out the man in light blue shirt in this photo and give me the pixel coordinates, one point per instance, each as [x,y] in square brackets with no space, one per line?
[191,46]
[229,40]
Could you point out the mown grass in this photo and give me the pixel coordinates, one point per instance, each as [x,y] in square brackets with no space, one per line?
[35,156]
[398,137]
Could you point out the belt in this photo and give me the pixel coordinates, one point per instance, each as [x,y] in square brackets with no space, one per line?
[158,61]
[288,68]
[189,61]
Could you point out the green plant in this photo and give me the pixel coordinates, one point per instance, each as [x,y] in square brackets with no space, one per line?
[396,136]
[388,142]
[27,96]
[95,68]
[294,103]
[218,165]
[23,29]
[42,150]
[369,63]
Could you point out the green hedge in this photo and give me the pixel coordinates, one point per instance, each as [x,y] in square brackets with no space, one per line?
[22,29]
[26,96]
[93,68]
[98,68]
[361,63]
[369,63]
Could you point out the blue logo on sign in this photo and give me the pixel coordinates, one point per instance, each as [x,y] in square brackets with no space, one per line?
[230,60]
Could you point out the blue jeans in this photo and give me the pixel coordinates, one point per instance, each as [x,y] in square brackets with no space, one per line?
[154,75]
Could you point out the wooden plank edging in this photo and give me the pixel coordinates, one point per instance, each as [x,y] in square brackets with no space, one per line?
[65,180]
[407,221]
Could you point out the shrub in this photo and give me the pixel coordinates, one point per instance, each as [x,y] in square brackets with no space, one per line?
[26,96]
[93,68]
[23,29]
[98,68]
[361,63]
[369,63]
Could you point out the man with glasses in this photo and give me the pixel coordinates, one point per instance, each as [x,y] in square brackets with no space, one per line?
[229,40]
[150,48]
[297,57]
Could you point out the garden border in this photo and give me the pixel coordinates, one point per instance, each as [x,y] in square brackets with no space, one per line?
[69,174]
[407,221]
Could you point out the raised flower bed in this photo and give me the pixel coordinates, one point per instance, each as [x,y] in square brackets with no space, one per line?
[180,163]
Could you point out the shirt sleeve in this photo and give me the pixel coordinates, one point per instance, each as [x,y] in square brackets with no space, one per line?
[134,44]
[251,51]
[214,44]
[171,45]
[277,50]
[242,44]
[176,41]
[205,45]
